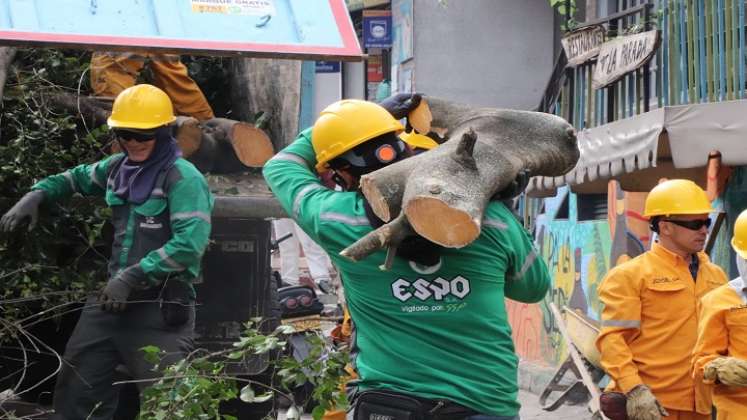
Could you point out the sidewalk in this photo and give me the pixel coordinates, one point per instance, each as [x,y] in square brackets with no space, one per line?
[530,410]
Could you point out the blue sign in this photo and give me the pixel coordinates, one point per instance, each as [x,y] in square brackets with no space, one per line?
[377,29]
[327,66]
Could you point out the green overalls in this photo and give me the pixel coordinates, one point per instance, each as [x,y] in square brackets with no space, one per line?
[164,238]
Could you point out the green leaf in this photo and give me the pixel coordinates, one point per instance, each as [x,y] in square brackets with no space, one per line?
[247,394]
[263,397]
[318,412]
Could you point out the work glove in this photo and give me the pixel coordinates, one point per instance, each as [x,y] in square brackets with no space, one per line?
[113,297]
[642,405]
[26,207]
[400,104]
[727,370]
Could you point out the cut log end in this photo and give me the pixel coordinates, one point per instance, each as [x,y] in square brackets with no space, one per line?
[252,145]
[420,118]
[376,199]
[188,135]
[436,221]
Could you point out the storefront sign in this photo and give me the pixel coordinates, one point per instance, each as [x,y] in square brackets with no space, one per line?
[583,44]
[377,28]
[327,67]
[623,55]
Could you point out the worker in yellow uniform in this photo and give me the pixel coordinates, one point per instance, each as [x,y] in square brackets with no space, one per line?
[720,355]
[649,321]
[113,72]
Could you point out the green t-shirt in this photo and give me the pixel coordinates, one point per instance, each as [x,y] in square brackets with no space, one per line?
[436,332]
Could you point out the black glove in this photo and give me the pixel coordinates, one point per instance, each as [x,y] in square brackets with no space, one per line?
[400,104]
[114,296]
[26,207]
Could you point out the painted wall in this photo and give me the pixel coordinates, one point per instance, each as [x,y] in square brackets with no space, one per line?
[484,52]
[580,253]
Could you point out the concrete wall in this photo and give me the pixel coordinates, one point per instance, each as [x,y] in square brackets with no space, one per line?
[483,52]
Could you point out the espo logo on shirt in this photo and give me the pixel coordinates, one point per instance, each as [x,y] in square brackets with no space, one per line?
[437,289]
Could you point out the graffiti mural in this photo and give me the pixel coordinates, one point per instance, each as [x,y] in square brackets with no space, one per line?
[578,255]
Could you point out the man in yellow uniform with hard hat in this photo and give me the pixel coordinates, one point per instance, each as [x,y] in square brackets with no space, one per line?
[720,355]
[649,321]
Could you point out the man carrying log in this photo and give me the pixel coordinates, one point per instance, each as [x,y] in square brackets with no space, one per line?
[432,339]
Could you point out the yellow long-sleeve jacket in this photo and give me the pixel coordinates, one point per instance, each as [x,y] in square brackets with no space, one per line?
[649,326]
[722,331]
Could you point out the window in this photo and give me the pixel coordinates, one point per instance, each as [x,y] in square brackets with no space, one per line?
[591,207]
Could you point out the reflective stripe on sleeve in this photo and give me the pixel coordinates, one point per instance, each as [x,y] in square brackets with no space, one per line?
[621,323]
[290,157]
[305,190]
[495,223]
[93,176]
[345,219]
[524,268]
[191,215]
[70,179]
[168,260]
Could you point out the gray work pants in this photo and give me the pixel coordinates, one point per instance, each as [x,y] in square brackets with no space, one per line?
[101,341]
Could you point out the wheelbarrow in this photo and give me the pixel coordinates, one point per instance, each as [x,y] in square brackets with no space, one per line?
[579,333]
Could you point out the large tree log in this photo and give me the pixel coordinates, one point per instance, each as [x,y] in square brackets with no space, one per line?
[443,193]
[272,86]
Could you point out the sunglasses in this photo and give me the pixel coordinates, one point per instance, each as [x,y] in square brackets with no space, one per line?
[690,224]
[138,136]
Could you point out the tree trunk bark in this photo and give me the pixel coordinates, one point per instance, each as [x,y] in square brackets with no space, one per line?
[443,193]
[7,54]
[272,86]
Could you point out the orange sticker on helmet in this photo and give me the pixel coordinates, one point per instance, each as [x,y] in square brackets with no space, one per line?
[386,153]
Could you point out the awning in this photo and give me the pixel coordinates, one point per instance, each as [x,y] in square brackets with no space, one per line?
[300,29]
[670,142]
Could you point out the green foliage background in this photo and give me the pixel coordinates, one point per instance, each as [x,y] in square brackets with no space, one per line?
[65,255]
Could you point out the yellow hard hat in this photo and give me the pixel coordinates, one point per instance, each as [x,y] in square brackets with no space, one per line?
[739,240]
[418,141]
[346,124]
[141,107]
[677,196]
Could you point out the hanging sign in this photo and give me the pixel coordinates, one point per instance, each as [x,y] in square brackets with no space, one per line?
[327,67]
[583,44]
[623,55]
[377,28]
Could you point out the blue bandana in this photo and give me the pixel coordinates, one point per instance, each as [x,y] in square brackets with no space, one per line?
[135,181]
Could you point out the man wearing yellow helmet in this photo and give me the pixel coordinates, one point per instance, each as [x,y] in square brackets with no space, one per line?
[720,355]
[649,321]
[431,336]
[161,208]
